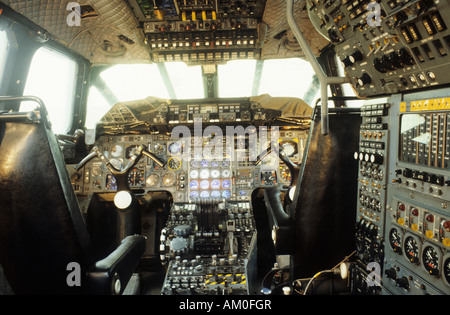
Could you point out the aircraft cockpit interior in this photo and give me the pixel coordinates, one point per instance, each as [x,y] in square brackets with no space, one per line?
[245,149]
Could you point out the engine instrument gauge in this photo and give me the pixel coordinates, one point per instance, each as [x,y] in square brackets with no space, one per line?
[168,180]
[215,194]
[194,194]
[215,173]
[204,194]
[226,184]
[174,163]
[153,180]
[136,177]
[215,184]
[174,148]
[111,183]
[204,173]
[194,184]
[446,270]
[204,163]
[412,249]
[194,163]
[395,240]
[226,194]
[226,173]
[116,151]
[430,259]
[193,174]
[204,184]
[268,177]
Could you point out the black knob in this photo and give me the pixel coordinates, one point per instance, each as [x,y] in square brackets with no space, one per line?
[376,158]
[365,79]
[356,56]
[347,62]
[391,273]
[402,283]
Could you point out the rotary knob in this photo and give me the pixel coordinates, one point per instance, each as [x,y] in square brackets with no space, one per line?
[178,245]
[364,79]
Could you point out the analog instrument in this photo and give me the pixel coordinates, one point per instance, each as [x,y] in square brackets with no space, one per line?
[117,163]
[226,194]
[204,163]
[412,249]
[204,173]
[268,177]
[204,184]
[226,173]
[215,184]
[168,180]
[116,151]
[395,240]
[430,259]
[226,183]
[174,163]
[193,174]
[136,177]
[215,194]
[204,194]
[194,194]
[153,180]
[193,185]
[214,163]
[194,163]
[289,147]
[111,183]
[446,270]
[174,148]
[131,150]
[215,173]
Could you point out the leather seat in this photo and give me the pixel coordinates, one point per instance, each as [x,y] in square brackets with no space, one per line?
[42,230]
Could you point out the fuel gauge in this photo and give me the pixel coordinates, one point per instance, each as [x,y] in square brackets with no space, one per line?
[431,257]
[395,240]
[412,249]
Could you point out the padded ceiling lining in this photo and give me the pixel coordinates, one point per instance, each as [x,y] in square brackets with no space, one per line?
[97,37]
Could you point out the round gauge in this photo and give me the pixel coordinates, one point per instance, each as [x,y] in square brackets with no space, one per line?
[111,183]
[289,147]
[226,184]
[193,174]
[136,177]
[168,180]
[204,173]
[193,184]
[412,249]
[204,163]
[215,184]
[204,194]
[285,174]
[430,258]
[215,173]
[226,173]
[204,184]
[268,177]
[174,163]
[214,163]
[446,270]
[194,163]
[215,194]
[117,163]
[174,148]
[194,194]
[116,151]
[226,194]
[153,180]
[226,163]
[395,240]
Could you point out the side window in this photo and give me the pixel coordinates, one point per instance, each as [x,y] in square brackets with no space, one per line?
[3,51]
[52,77]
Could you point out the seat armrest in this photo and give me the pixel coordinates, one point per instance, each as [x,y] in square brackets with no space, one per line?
[111,274]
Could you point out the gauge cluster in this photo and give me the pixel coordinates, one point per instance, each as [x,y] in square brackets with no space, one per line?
[418,250]
[190,175]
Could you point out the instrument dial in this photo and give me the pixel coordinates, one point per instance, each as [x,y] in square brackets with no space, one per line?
[215,173]
[111,183]
[174,163]
[431,258]
[446,270]
[116,151]
[153,180]
[269,177]
[226,184]
[226,173]
[136,177]
[204,173]
[194,184]
[395,240]
[204,163]
[226,194]
[174,148]
[215,194]
[193,174]
[168,180]
[204,184]
[412,249]
[215,184]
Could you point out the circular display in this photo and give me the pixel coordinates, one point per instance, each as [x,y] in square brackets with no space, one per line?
[395,240]
[117,163]
[193,184]
[204,163]
[136,177]
[215,194]
[226,184]
[204,174]
[412,249]
[194,194]
[226,173]
[168,180]
[204,184]
[214,163]
[446,270]
[111,183]
[194,163]
[174,148]
[204,194]
[153,180]
[226,194]
[215,184]
[430,258]
[226,163]
[174,163]
[193,174]
[215,173]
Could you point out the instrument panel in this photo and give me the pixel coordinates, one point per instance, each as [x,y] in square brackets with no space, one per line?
[195,169]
